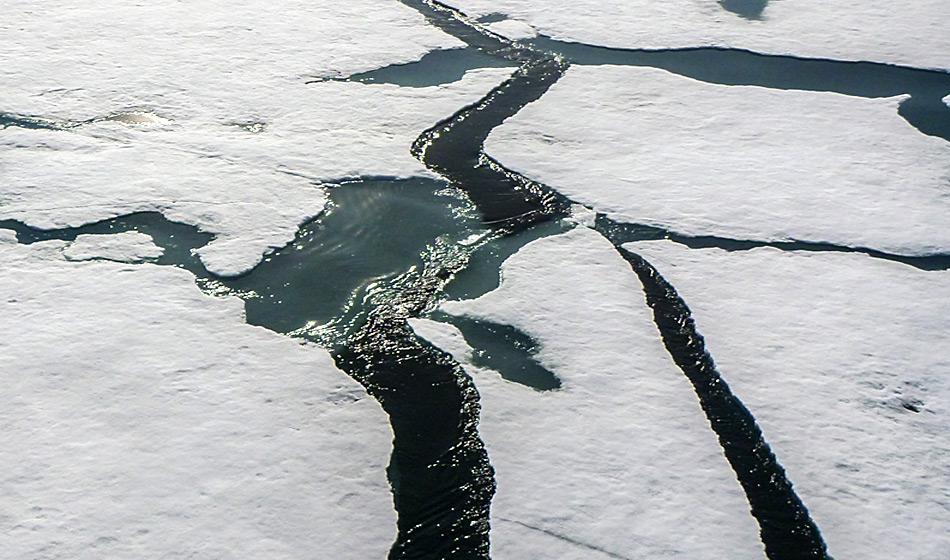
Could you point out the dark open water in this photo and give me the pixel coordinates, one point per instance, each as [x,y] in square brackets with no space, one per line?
[386,250]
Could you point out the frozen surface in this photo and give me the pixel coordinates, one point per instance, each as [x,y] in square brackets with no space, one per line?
[905,32]
[840,358]
[81,60]
[129,246]
[205,114]
[512,29]
[735,161]
[251,186]
[143,419]
[619,461]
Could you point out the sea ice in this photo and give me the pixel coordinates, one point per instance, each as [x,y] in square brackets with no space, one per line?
[840,358]
[144,419]
[217,60]
[735,161]
[512,29]
[204,114]
[129,246]
[904,32]
[251,189]
[621,459]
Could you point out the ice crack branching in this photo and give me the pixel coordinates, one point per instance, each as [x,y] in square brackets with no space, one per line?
[511,202]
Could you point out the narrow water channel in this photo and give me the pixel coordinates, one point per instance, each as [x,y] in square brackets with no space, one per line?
[388,250]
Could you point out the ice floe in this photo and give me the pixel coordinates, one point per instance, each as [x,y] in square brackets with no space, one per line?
[906,32]
[735,161]
[250,189]
[218,59]
[143,418]
[621,458]
[129,246]
[512,29]
[205,114]
[839,357]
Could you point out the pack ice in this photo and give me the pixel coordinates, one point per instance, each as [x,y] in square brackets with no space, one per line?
[205,114]
[840,358]
[903,32]
[741,162]
[621,458]
[144,419]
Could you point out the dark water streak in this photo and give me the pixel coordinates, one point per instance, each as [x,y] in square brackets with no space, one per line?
[435,68]
[504,349]
[451,149]
[787,530]
[924,110]
[620,233]
[441,477]
[178,240]
[9,119]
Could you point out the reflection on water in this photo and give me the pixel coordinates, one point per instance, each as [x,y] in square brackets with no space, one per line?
[338,266]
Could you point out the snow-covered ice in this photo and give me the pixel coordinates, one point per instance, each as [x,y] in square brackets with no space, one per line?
[129,246]
[512,29]
[237,142]
[904,32]
[252,189]
[621,458]
[841,359]
[735,161]
[144,419]
[218,60]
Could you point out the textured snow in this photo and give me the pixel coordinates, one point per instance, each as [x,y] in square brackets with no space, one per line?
[735,161]
[81,60]
[129,246]
[906,32]
[828,351]
[205,114]
[621,458]
[144,419]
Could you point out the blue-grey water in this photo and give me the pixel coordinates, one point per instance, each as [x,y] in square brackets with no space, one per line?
[388,249]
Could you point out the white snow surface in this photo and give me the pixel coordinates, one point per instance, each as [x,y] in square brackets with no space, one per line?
[904,32]
[129,246]
[81,60]
[512,29]
[144,419]
[735,161]
[621,458]
[204,114]
[826,349]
